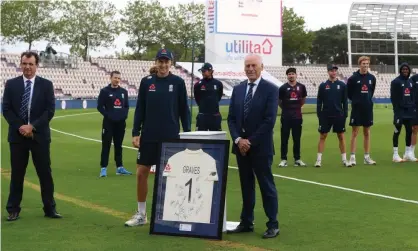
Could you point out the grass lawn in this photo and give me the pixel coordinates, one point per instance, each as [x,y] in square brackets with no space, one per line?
[312,216]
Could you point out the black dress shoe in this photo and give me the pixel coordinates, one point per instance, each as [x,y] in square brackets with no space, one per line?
[271,233]
[13,216]
[53,215]
[241,228]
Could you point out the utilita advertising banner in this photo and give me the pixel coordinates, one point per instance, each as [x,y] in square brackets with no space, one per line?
[236,28]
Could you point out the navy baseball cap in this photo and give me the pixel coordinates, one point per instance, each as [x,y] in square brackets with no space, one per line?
[206,67]
[164,53]
[332,67]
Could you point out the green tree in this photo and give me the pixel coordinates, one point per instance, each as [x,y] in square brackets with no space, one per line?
[330,45]
[88,25]
[296,40]
[187,23]
[28,21]
[146,25]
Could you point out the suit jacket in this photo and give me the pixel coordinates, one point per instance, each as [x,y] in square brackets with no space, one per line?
[41,113]
[259,125]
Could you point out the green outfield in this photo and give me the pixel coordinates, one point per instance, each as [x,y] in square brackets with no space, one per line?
[329,208]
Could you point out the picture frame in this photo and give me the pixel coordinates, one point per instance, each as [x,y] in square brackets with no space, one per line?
[190,188]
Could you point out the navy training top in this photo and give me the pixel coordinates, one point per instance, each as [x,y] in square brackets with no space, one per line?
[161,103]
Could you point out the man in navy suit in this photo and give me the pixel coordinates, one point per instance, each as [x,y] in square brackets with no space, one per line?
[28,106]
[251,119]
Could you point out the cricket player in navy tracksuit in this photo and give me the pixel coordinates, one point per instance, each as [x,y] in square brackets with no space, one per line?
[360,89]
[332,110]
[208,92]
[292,96]
[113,104]
[404,111]
[414,81]
[162,101]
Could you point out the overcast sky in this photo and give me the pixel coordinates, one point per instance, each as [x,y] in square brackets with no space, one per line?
[317,13]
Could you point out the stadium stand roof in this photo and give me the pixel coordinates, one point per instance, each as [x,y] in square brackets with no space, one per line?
[382,29]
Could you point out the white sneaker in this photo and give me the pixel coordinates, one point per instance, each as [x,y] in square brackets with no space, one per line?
[318,163]
[352,161]
[138,219]
[409,157]
[369,161]
[346,163]
[283,163]
[299,163]
[396,158]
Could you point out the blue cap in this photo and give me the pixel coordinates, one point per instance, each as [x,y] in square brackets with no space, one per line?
[206,67]
[164,53]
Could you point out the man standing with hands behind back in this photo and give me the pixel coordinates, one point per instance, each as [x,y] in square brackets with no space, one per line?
[251,119]
[28,107]
[161,105]
[208,92]
[360,90]
[113,104]
[292,97]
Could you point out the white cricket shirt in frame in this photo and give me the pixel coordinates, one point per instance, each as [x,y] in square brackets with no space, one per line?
[189,186]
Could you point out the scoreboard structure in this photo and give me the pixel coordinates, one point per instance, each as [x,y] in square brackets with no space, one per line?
[189,188]
[236,28]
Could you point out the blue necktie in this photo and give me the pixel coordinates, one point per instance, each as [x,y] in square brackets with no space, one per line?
[24,108]
[247,101]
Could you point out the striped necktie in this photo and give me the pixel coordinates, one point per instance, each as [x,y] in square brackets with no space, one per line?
[247,101]
[24,108]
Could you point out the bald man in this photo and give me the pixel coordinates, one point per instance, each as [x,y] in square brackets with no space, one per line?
[251,119]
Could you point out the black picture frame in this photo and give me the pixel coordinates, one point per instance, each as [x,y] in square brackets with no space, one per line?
[212,230]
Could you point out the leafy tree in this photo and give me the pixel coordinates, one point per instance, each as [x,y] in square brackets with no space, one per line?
[201,53]
[330,45]
[88,25]
[28,21]
[146,25]
[296,40]
[187,23]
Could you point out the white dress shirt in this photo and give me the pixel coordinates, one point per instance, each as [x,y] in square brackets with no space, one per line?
[31,93]
[254,87]
[246,92]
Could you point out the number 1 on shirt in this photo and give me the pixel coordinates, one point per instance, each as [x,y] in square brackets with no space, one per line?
[190,188]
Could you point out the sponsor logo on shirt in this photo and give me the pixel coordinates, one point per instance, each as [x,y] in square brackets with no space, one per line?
[293,96]
[152,88]
[203,88]
[117,103]
[407,92]
[327,87]
[364,89]
[167,168]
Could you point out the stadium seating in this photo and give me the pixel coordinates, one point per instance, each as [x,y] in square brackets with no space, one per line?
[89,77]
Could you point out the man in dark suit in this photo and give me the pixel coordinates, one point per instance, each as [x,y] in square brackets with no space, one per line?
[251,119]
[28,106]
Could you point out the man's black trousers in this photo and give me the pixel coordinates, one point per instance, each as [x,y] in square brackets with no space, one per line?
[19,158]
[112,131]
[209,122]
[287,125]
[398,128]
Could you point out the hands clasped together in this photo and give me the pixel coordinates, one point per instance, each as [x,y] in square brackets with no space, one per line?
[244,146]
[26,130]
